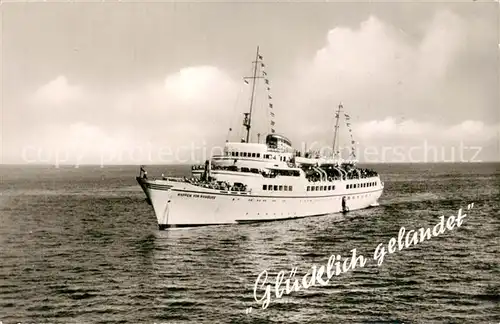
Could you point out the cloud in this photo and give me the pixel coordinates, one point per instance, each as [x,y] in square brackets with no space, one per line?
[57,92]
[398,88]
[377,69]
[181,114]
[193,85]
[469,130]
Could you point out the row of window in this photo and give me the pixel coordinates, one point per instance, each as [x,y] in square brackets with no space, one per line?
[361,185]
[243,154]
[320,188]
[256,155]
[316,200]
[277,188]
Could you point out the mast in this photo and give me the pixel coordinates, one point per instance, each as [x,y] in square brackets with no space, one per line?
[337,117]
[248,116]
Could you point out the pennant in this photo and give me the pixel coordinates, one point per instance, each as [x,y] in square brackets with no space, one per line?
[272,130]
[260,57]
[272,123]
[270,105]
[268,89]
[272,114]
[352,142]
[246,81]
[264,73]
[269,97]
[267,81]
[262,64]
[336,115]
[230,129]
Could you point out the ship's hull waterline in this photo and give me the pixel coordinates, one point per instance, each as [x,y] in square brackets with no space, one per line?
[180,204]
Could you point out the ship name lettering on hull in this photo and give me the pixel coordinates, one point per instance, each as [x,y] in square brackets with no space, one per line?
[196,196]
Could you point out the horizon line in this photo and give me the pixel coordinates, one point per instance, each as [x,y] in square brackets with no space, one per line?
[173,164]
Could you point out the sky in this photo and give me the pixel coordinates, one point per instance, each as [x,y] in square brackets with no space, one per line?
[153,83]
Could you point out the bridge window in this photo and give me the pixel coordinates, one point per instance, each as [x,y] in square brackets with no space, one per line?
[317,188]
[275,188]
[286,188]
[347,186]
[280,188]
[258,155]
[329,188]
[253,154]
[312,188]
[264,187]
[308,188]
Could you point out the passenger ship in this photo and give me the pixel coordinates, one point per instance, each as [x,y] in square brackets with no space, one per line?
[255,182]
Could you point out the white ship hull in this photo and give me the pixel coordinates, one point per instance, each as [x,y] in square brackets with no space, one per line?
[181,204]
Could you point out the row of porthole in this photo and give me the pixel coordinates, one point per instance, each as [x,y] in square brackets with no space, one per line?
[320,188]
[315,200]
[274,214]
[361,185]
[277,188]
